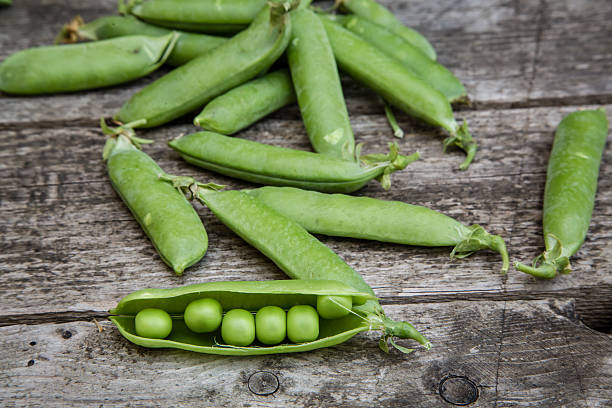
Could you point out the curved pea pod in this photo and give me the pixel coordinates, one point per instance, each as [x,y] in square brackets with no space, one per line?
[569,195]
[318,89]
[428,70]
[369,218]
[379,14]
[188,45]
[76,67]
[244,159]
[164,214]
[244,105]
[296,252]
[398,85]
[250,296]
[192,85]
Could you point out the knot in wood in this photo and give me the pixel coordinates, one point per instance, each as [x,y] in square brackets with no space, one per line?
[263,383]
[458,390]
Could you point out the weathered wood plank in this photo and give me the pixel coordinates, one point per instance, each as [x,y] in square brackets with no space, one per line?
[496,353]
[505,53]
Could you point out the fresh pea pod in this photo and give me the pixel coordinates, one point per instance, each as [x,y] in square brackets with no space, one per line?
[188,45]
[296,252]
[379,14]
[244,105]
[398,85]
[166,217]
[251,296]
[244,159]
[190,86]
[428,70]
[6,2]
[318,89]
[76,67]
[368,218]
[569,195]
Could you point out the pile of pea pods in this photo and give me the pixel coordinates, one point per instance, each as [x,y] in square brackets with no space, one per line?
[281,52]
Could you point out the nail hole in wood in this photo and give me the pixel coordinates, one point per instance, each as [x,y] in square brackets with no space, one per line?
[458,390]
[263,383]
[66,334]
[32,343]
[30,363]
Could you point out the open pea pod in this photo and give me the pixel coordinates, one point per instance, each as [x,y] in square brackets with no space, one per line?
[251,296]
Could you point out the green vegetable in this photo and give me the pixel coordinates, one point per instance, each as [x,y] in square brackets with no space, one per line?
[302,324]
[76,67]
[188,45]
[569,195]
[370,218]
[292,249]
[238,327]
[203,315]
[377,13]
[190,86]
[166,217]
[271,325]
[246,104]
[250,296]
[425,68]
[397,85]
[153,323]
[242,159]
[318,89]
[334,307]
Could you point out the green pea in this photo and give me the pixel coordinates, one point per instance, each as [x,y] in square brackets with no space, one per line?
[238,327]
[425,68]
[302,324]
[188,45]
[76,67]
[271,325]
[318,89]
[387,221]
[153,324]
[334,307]
[242,159]
[203,315]
[234,62]
[398,86]
[246,104]
[569,195]
[170,222]
[379,14]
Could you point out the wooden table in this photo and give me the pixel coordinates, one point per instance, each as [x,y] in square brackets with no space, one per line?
[69,248]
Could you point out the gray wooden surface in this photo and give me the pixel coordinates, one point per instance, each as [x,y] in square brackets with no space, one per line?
[69,249]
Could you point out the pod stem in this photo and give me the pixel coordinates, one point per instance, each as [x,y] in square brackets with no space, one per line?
[478,239]
[402,330]
[190,187]
[124,7]
[279,10]
[462,138]
[126,130]
[549,263]
[392,162]
[69,33]
[397,130]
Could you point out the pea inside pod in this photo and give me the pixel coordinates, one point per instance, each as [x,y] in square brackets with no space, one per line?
[248,296]
[76,67]
[242,159]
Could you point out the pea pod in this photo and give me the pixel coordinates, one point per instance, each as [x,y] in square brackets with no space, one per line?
[399,86]
[368,218]
[244,105]
[190,86]
[188,45]
[428,70]
[297,253]
[76,67]
[242,159]
[318,89]
[569,195]
[166,217]
[379,14]
[250,296]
